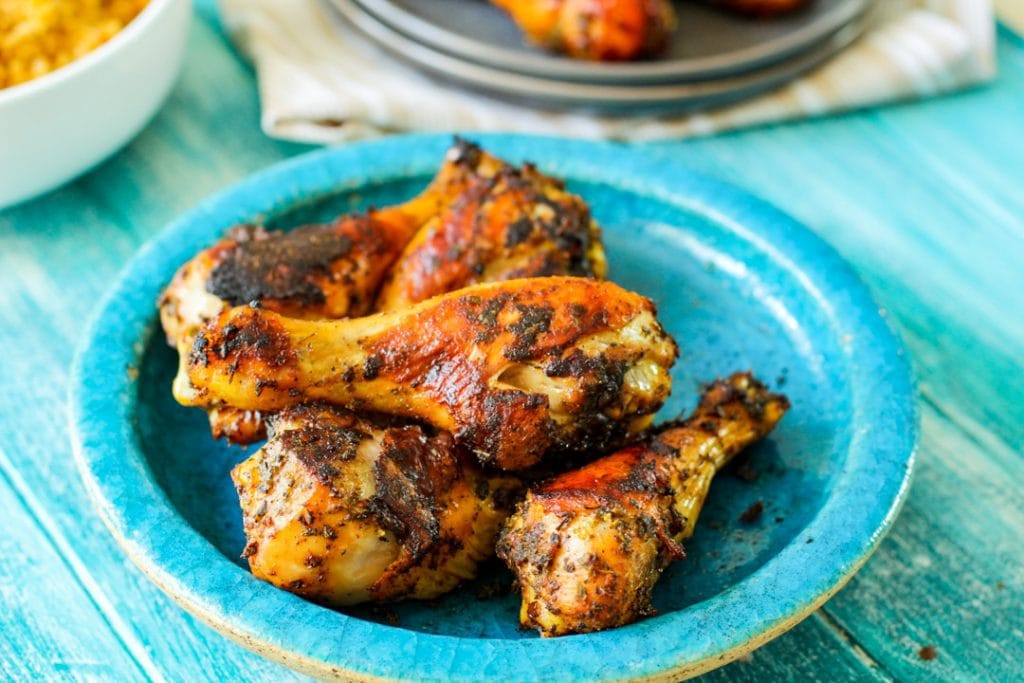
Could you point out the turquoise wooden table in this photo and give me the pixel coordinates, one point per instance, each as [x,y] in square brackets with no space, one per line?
[924,199]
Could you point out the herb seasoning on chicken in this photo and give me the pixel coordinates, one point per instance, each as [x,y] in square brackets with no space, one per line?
[343,509]
[509,223]
[458,231]
[588,546]
[513,369]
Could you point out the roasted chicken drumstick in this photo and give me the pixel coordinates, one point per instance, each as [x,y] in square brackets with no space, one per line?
[606,30]
[329,270]
[342,509]
[316,271]
[509,223]
[334,270]
[461,228]
[513,369]
[588,546]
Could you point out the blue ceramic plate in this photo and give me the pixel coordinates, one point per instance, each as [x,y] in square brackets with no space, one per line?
[740,285]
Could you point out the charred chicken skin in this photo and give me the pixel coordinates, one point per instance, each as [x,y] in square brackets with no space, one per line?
[328,270]
[513,369]
[509,223]
[342,509]
[335,270]
[605,30]
[316,271]
[588,546]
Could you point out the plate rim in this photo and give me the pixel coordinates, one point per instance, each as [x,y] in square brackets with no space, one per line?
[606,97]
[178,559]
[554,66]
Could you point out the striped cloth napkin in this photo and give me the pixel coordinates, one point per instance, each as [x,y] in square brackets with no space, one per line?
[321,81]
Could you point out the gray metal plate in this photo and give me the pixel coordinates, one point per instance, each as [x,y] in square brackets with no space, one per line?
[708,43]
[619,99]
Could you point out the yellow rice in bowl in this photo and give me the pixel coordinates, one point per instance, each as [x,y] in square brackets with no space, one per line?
[39,36]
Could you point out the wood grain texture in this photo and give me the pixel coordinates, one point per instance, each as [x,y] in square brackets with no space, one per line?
[923,199]
[34,578]
[813,649]
[950,574]
[58,256]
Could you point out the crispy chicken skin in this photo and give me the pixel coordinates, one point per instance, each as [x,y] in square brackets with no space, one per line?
[335,270]
[342,509]
[588,546]
[329,270]
[605,30]
[316,271]
[513,369]
[509,223]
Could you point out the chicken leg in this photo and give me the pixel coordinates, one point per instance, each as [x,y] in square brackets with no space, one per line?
[509,223]
[513,369]
[343,509]
[335,270]
[605,30]
[588,546]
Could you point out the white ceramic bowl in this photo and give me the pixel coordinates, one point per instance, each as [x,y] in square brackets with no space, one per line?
[58,126]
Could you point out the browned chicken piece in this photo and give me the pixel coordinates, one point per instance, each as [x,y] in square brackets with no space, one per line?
[316,271]
[762,8]
[509,223]
[329,270]
[335,270]
[513,369]
[342,509]
[588,546]
[605,30]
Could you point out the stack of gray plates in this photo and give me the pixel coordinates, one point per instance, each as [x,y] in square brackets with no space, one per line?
[715,57]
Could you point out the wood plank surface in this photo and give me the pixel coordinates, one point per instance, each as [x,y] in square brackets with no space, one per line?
[924,200]
[35,577]
[57,258]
